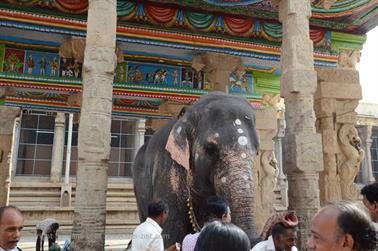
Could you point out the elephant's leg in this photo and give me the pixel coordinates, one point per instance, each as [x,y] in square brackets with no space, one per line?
[172,188]
[177,224]
[142,183]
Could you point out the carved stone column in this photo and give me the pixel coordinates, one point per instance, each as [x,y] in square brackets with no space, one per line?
[7,117]
[282,179]
[140,129]
[219,67]
[88,231]
[337,97]
[15,146]
[58,148]
[302,146]
[365,132]
[366,139]
[265,167]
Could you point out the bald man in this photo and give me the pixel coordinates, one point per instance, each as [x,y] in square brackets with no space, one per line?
[341,227]
[11,224]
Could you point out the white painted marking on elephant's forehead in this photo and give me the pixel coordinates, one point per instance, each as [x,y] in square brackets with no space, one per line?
[238,122]
[178,130]
[240,130]
[243,155]
[223,179]
[242,140]
[196,156]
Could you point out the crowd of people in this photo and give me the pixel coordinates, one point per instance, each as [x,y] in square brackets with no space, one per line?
[340,226]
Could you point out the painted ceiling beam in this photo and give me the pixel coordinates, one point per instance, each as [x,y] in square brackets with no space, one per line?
[347,15]
[149,36]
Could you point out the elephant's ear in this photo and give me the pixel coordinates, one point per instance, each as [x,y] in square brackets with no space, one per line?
[178,145]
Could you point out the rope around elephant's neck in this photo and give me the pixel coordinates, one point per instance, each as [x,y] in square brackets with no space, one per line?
[192,217]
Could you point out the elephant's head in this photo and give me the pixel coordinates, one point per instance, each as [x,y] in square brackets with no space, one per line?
[215,140]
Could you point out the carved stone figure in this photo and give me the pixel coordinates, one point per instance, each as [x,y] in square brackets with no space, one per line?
[268,180]
[271,100]
[218,68]
[349,58]
[350,147]
[326,4]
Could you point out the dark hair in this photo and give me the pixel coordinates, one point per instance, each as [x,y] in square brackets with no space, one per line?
[351,220]
[279,229]
[4,208]
[213,208]
[222,237]
[371,192]
[157,207]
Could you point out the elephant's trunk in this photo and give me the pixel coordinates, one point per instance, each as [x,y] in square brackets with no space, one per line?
[237,186]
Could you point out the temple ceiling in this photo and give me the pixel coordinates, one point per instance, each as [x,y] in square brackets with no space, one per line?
[354,16]
[174,31]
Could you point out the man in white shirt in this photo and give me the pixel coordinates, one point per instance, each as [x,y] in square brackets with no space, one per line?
[283,238]
[147,236]
[11,224]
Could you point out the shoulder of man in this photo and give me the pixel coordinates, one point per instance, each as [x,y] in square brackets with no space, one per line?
[262,245]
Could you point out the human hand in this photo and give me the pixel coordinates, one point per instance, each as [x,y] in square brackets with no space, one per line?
[174,247]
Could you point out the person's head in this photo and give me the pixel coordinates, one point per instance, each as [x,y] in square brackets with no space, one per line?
[158,211]
[11,224]
[341,227]
[216,208]
[284,237]
[370,199]
[222,237]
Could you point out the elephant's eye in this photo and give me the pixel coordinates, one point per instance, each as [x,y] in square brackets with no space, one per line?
[211,150]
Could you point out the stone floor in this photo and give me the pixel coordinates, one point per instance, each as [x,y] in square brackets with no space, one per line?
[112,242]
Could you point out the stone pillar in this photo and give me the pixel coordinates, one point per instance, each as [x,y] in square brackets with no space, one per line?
[7,117]
[366,139]
[218,67]
[336,99]
[265,165]
[140,129]
[58,148]
[16,143]
[366,172]
[282,180]
[89,222]
[302,146]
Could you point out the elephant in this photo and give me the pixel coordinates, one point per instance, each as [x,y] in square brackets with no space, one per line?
[207,150]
